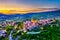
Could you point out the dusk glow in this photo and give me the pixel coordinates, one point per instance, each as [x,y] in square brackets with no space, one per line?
[22,6]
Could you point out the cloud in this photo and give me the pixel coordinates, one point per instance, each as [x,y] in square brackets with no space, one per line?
[27,11]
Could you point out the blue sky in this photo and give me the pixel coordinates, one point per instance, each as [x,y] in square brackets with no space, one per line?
[33,3]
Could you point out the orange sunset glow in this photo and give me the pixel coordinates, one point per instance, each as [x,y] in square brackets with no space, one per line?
[23,11]
[22,7]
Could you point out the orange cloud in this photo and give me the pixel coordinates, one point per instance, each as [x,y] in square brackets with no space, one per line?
[22,9]
[25,11]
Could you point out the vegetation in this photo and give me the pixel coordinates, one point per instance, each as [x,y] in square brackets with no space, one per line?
[52,32]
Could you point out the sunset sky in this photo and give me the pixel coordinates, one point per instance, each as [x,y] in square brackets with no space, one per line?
[25,6]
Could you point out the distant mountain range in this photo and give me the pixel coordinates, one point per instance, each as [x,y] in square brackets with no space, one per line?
[38,15]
